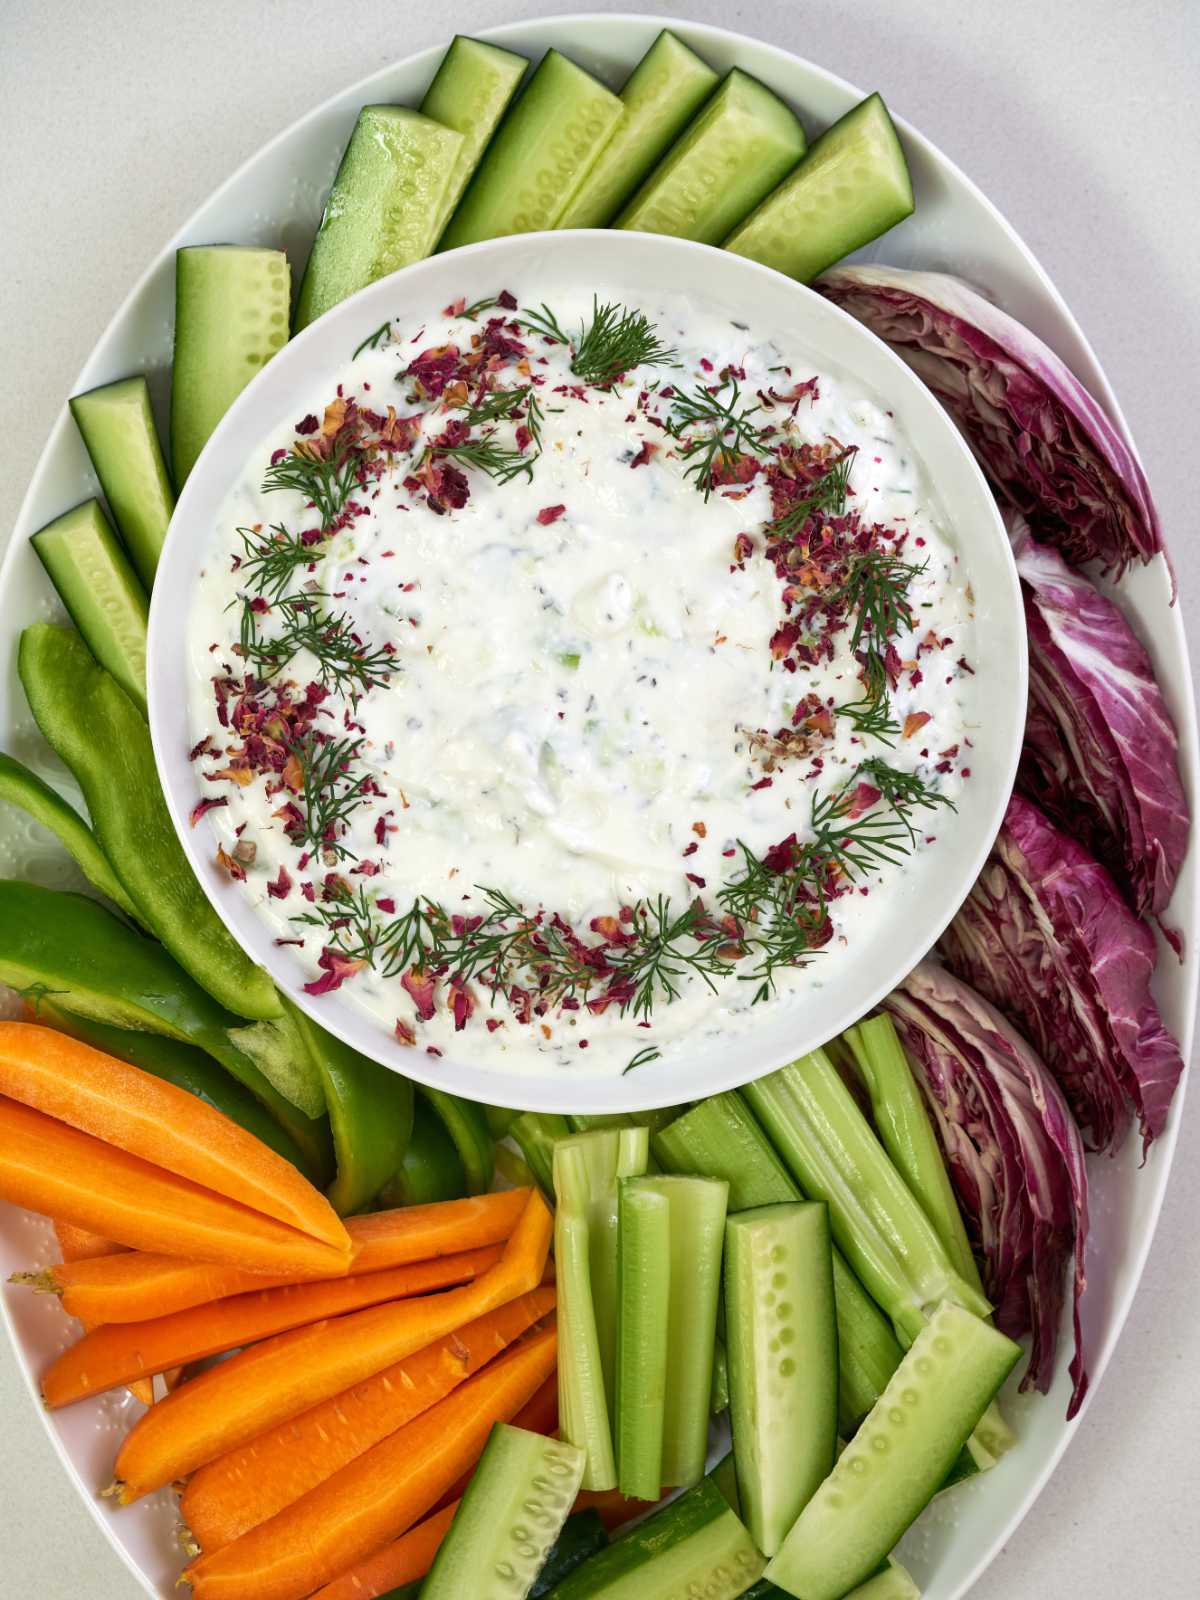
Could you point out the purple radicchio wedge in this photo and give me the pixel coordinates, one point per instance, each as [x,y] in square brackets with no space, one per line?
[1047,938]
[1014,1154]
[1100,754]
[1046,445]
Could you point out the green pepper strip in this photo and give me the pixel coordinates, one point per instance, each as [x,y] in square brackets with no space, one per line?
[466,1123]
[432,1168]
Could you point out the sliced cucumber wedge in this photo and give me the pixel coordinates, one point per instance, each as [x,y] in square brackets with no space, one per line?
[231,315]
[101,591]
[386,206]
[734,153]
[470,92]
[23,788]
[852,186]
[693,1547]
[781,1333]
[515,1506]
[543,150]
[118,429]
[898,1459]
[664,92]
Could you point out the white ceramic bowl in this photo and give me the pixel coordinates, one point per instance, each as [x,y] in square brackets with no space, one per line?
[276,197]
[634,268]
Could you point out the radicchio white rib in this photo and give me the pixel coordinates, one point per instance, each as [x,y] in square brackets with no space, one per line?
[1014,1155]
[1100,754]
[1046,445]
[1047,938]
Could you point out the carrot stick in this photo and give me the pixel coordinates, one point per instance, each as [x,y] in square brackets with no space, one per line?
[141,1285]
[80,1244]
[378,1497]
[276,1380]
[145,1116]
[52,1168]
[239,1490]
[118,1351]
[540,1414]
[403,1561]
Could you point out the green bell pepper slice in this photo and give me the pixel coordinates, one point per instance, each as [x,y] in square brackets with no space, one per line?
[467,1124]
[432,1168]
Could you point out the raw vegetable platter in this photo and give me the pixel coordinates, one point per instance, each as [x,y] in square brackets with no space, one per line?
[277,198]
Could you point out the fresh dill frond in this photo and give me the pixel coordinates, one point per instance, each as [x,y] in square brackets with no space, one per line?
[544,321]
[326,483]
[727,431]
[614,342]
[344,663]
[826,495]
[270,559]
[501,462]
[372,341]
[871,717]
[643,1058]
[331,792]
[672,946]
[496,405]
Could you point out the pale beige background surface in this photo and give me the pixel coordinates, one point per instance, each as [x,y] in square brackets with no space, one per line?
[1078,117]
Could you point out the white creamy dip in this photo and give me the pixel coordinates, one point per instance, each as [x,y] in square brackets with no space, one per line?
[576,702]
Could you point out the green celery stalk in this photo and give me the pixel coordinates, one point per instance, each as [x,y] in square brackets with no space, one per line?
[833,1153]
[908,1137]
[535,1134]
[588,1168]
[643,1250]
[719,1138]
[698,1208]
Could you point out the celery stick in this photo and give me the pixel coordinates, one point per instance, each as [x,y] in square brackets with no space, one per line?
[587,1170]
[719,1138]
[643,1251]
[718,1398]
[833,1153]
[535,1134]
[907,1133]
[697,1237]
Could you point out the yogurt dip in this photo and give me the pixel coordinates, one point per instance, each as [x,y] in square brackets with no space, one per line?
[579,710]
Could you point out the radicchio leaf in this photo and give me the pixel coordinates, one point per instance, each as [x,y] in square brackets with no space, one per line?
[1046,445]
[1047,938]
[1100,754]
[1014,1154]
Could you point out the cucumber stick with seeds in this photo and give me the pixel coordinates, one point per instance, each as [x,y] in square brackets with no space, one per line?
[231,316]
[588,1168]
[551,137]
[835,1156]
[70,950]
[742,144]
[95,728]
[117,425]
[781,1333]
[643,1343]
[385,208]
[898,1459]
[719,1138]
[693,1547]
[23,788]
[470,93]
[852,186]
[101,591]
[663,93]
[515,1506]
[907,1135]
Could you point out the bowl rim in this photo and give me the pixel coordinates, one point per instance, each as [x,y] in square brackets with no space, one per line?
[967,505]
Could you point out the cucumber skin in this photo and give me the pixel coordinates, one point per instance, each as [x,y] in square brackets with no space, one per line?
[383,209]
[218,346]
[95,728]
[632,1568]
[508,195]
[783,1401]
[664,92]
[117,424]
[514,1509]
[899,1458]
[23,788]
[471,90]
[685,197]
[107,604]
[779,232]
[583,1535]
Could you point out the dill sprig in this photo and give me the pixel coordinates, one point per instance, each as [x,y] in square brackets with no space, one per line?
[270,559]
[326,483]
[544,321]
[643,1058]
[876,591]
[371,342]
[827,494]
[871,717]
[614,342]
[331,792]
[344,663]
[672,946]
[727,431]
[501,462]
